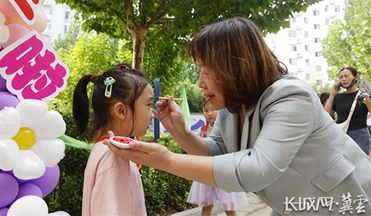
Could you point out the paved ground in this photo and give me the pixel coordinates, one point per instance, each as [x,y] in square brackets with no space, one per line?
[256,207]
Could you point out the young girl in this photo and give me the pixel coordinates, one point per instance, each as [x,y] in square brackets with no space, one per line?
[121,103]
[206,196]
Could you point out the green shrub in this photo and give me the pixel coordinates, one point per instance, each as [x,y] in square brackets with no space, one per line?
[164,193]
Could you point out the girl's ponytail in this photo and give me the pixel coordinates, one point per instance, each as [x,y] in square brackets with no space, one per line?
[81,104]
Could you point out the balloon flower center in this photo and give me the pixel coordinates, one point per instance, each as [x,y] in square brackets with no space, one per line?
[25,138]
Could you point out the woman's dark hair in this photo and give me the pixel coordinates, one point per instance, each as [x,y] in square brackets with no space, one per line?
[240,62]
[323,97]
[353,70]
[129,85]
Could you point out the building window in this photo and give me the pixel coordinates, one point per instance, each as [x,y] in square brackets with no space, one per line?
[318,68]
[337,8]
[326,7]
[50,10]
[294,74]
[293,19]
[306,34]
[316,13]
[338,21]
[293,61]
[327,21]
[307,48]
[292,33]
[316,26]
[67,15]
[307,62]
[319,82]
[317,40]
[306,20]
[49,26]
[307,76]
[318,54]
[292,47]
[65,30]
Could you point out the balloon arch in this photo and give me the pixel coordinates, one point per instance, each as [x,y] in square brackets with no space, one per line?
[30,134]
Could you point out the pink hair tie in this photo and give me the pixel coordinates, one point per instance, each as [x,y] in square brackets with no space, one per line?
[122,66]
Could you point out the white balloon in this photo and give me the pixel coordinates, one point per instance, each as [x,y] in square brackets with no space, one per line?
[10,122]
[51,125]
[59,213]
[28,166]
[28,205]
[50,151]
[2,19]
[4,34]
[9,153]
[31,111]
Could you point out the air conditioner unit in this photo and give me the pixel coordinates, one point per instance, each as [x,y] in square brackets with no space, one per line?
[332,2]
[298,27]
[299,55]
[299,41]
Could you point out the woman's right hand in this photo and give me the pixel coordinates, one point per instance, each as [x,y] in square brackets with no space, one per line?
[170,115]
[336,88]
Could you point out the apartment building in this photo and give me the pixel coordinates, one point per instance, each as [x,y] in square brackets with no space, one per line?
[59,17]
[299,46]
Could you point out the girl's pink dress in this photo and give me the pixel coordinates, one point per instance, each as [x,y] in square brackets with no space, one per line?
[112,185]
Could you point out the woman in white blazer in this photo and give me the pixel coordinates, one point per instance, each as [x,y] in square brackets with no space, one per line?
[271,136]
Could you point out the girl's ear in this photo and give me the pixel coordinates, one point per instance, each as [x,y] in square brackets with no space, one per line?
[120,110]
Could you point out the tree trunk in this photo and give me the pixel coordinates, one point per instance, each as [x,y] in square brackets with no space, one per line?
[139,44]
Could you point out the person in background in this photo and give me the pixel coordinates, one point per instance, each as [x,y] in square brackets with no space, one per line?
[341,104]
[121,103]
[205,195]
[272,135]
[324,98]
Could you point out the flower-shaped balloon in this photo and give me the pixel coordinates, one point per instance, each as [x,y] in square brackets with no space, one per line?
[28,139]
[4,30]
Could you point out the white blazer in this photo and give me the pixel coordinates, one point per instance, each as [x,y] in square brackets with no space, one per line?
[291,151]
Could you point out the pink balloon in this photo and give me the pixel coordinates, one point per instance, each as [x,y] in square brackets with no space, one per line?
[48,181]
[8,99]
[16,31]
[7,9]
[39,25]
[8,189]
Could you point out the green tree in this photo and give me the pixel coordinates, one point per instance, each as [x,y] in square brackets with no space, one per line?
[178,20]
[349,43]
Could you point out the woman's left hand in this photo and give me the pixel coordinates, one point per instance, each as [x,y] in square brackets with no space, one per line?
[148,154]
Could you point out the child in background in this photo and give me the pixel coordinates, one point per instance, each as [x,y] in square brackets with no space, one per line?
[206,196]
[121,103]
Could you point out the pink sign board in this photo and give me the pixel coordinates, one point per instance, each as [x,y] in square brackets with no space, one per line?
[32,69]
